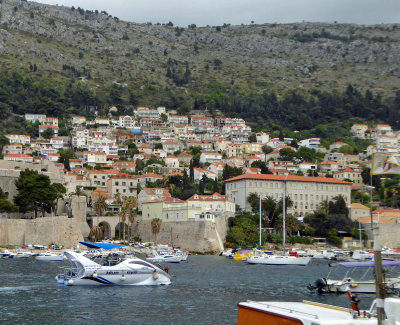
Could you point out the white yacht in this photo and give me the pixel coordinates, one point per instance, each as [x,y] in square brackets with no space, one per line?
[49,257]
[166,258]
[278,260]
[132,271]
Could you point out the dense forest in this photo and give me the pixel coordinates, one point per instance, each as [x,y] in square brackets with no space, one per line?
[321,113]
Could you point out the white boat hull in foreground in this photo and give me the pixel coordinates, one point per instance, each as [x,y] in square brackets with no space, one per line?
[132,271]
[278,260]
[311,313]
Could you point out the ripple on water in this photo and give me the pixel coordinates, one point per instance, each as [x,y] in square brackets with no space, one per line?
[205,290]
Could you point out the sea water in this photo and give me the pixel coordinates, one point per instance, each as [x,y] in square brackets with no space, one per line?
[204,290]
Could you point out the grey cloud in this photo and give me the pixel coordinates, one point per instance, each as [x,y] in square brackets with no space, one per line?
[217,12]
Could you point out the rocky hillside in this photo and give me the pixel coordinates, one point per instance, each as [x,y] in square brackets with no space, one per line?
[98,48]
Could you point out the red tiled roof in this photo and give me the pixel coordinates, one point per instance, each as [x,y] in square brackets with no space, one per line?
[18,155]
[174,174]
[149,175]
[329,163]
[218,197]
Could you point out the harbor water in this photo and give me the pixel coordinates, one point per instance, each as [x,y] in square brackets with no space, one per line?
[204,290]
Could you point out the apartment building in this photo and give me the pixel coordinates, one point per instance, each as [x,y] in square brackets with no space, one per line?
[124,184]
[78,120]
[19,138]
[197,208]
[307,193]
[358,130]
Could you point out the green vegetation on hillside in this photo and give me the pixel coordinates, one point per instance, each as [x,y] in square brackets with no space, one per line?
[322,114]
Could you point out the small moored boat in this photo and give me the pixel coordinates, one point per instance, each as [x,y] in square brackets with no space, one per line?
[49,257]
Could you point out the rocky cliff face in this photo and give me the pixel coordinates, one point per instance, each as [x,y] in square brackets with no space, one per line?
[56,38]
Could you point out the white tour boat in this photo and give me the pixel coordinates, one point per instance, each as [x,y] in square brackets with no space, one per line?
[49,257]
[132,271]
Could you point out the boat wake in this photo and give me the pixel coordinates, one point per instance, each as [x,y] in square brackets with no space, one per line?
[9,290]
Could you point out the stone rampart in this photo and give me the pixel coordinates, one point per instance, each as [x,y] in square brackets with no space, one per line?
[197,236]
[42,231]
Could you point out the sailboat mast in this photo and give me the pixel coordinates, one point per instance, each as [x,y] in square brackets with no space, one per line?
[260,220]
[284,216]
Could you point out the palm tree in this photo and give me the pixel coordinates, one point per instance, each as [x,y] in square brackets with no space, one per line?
[131,205]
[292,225]
[78,191]
[325,206]
[123,215]
[156,227]
[100,205]
[394,192]
[118,200]
[96,232]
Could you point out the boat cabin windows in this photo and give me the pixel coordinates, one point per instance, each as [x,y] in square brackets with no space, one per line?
[140,263]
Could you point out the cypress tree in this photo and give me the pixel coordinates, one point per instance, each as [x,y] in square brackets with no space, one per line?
[216,187]
[191,172]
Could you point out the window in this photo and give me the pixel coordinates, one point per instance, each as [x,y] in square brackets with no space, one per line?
[251,184]
[116,183]
[123,183]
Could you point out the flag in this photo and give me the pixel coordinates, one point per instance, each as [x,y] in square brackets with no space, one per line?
[385,164]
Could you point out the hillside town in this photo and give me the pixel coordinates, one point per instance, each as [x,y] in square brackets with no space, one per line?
[154,154]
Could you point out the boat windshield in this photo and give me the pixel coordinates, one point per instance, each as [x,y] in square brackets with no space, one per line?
[142,263]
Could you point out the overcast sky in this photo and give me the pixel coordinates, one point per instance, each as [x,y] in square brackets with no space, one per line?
[236,12]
